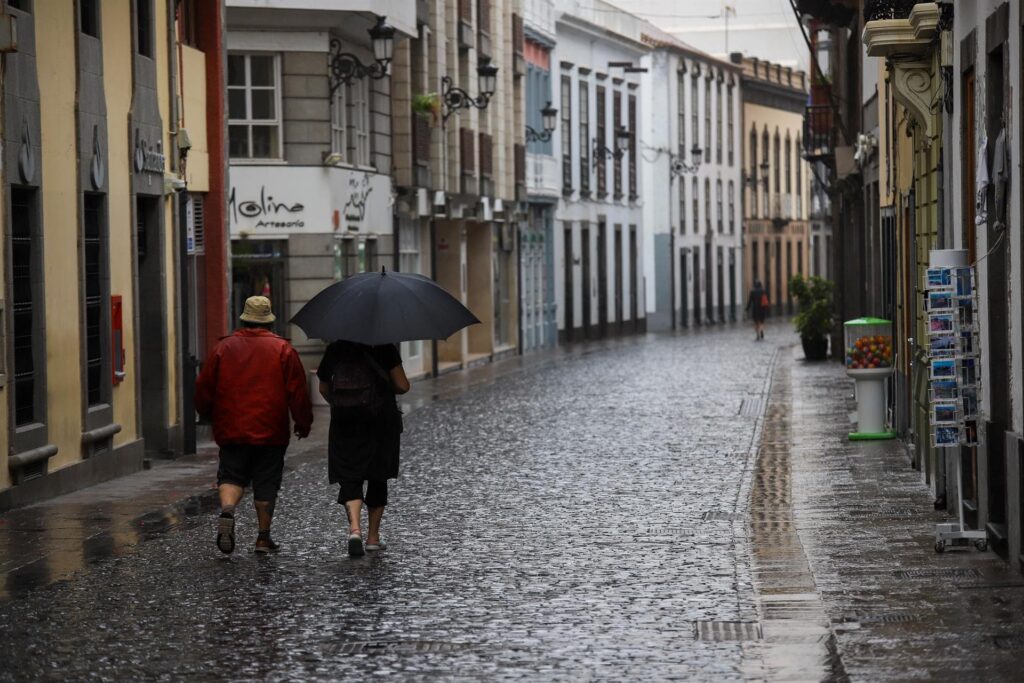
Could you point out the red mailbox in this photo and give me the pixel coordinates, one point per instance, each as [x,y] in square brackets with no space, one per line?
[117,339]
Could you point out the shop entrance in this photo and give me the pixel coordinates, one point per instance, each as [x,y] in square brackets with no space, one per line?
[684,290]
[602,278]
[587,294]
[152,340]
[697,286]
[258,269]
[619,279]
[567,267]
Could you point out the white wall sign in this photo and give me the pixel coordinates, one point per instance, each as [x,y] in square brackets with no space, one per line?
[277,201]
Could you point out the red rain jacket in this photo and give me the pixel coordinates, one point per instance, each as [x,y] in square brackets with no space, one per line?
[248,385]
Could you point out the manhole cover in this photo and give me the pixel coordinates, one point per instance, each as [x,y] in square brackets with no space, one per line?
[728,630]
[750,407]
[720,516]
[956,573]
[392,646]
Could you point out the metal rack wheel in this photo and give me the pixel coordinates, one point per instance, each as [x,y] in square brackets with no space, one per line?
[981,544]
[940,546]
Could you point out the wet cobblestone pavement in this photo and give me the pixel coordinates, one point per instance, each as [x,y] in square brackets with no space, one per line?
[655,508]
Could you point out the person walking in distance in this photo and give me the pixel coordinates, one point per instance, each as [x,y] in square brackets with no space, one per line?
[247,387]
[757,304]
[360,383]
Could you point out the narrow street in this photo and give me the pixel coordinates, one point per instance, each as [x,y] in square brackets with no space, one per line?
[600,516]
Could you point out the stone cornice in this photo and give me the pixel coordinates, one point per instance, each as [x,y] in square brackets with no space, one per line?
[892,38]
[925,19]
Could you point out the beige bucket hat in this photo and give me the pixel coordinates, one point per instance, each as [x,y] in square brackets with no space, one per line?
[257,310]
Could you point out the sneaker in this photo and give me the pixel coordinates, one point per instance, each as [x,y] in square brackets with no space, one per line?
[266,545]
[226,533]
[355,545]
[379,545]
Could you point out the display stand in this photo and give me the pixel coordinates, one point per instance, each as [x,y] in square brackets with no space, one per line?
[869,361]
[954,377]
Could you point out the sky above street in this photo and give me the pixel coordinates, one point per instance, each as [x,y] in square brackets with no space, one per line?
[766,29]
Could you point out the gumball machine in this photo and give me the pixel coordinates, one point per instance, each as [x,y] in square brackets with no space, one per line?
[869,361]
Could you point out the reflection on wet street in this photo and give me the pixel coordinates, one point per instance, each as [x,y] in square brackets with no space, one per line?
[654,508]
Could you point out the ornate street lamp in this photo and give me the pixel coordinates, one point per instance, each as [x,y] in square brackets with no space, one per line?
[622,139]
[679,166]
[345,67]
[549,118]
[454,98]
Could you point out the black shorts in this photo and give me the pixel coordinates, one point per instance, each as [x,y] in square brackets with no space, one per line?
[263,466]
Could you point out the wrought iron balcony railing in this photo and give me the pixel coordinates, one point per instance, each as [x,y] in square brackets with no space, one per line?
[819,132]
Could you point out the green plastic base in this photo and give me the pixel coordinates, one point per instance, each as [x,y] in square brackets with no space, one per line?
[871,436]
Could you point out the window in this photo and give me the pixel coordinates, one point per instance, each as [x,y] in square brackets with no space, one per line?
[718,122]
[89,17]
[339,122]
[707,204]
[718,206]
[357,101]
[616,125]
[729,131]
[254,124]
[23,5]
[188,16]
[566,111]
[26,307]
[799,179]
[754,275]
[682,118]
[732,208]
[776,161]
[695,198]
[144,27]
[753,173]
[682,206]
[94,257]
[707,118]
[632,147]
[694,111]
[765,142]
[789,165]
[409,261]
[584,138]
[538,80]
[602,139]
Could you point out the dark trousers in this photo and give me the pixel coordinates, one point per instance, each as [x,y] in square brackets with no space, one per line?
[376,492]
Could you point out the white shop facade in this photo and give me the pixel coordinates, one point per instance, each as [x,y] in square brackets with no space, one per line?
[297,229]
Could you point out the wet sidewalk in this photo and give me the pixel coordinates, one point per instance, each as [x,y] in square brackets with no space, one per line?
[843,534]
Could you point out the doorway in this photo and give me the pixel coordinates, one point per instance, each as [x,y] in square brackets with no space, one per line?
[602,278]
[585,299]
[619,279]
[721,285]
[153,358]
[697,286]
[570,321]
[732,284]
[709,292]
[684,290]
[257,269]
[635,280]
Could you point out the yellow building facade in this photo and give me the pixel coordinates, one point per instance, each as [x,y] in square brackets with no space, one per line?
[93,182]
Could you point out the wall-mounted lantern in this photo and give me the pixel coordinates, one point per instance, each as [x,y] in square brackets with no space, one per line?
[345,67]
[622,139]
[679,165]
[549,119]
[454,98]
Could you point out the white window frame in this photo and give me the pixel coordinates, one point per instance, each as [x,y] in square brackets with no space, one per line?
[358,118]
[250,122]
[339,122]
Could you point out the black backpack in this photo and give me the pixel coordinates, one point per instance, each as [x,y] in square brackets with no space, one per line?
[358,386]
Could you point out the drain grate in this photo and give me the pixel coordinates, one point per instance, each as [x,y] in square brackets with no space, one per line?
[956,573]
[397,646]
[727,630]
[885,618]
[671,531]
[897,512]
[720,516]
[750,407]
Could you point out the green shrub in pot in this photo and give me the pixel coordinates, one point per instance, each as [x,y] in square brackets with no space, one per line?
[813,320]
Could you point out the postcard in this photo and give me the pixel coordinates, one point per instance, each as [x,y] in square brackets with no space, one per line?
[939,277]
[940,323]
[945,414]
[968,372]
[943,369]
[969,402]
[944,390]
[964,282]
[947,436]
[940,301]
[943,346]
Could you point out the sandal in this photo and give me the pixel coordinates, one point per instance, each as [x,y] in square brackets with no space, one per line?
[355,545]
[226,533]
[379,545]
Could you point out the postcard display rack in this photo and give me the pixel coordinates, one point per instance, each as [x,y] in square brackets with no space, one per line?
[869,361]
[953,373]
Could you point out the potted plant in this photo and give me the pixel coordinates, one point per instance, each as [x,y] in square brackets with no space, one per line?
[813,320]
[427,104]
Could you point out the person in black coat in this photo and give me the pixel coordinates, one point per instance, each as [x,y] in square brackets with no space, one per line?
[364,450]
[757,304]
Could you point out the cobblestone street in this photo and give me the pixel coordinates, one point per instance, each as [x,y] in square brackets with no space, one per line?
[601,516]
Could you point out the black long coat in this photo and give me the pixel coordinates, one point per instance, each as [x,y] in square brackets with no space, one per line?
[364,450]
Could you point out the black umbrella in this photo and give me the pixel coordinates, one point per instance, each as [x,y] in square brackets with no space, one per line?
[383,308]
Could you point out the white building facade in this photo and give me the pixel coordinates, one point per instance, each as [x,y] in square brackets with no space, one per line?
[691,154]
[599,220]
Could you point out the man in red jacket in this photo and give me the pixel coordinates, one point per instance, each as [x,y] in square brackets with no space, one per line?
[247,387]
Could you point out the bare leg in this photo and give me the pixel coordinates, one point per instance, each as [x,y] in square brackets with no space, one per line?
[374,515]
[230,494]
[264,513]
[354,509]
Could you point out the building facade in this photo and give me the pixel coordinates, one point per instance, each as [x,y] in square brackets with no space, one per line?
[106,143]
[777,227]
[692,168]
[599,221]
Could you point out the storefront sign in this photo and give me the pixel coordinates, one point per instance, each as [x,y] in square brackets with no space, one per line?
[276,201]
[149,157]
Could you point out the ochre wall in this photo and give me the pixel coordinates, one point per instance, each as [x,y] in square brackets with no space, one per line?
[55,27]
[170,229]
[193,116]
[117,71]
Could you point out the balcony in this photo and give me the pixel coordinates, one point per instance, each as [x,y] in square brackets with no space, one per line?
[543,176]
[781,210]
[819,132]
